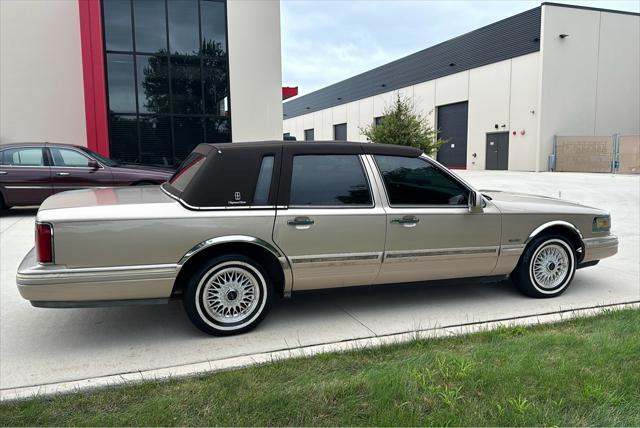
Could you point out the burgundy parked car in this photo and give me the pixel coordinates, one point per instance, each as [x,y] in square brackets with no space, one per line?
[31,172]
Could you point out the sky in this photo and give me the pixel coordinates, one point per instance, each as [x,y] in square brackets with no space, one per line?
[326,41]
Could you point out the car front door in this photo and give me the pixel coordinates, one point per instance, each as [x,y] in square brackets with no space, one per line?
[431,234]
[70,170]
[25,176]
[333,228]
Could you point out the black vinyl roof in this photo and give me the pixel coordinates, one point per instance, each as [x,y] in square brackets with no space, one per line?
[228,173]
[511,37]
[314,147]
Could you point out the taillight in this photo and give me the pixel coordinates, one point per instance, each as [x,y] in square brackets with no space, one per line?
[44,242]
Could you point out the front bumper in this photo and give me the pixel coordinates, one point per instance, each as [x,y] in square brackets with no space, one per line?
[599,248]
[59,286]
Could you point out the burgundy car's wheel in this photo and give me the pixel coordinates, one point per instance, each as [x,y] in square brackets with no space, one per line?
[228,295]
[546,267]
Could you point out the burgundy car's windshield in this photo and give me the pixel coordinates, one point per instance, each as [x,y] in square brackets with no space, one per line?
[100,158]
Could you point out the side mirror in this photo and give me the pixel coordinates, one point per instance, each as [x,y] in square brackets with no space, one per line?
[93,164]
[475,202]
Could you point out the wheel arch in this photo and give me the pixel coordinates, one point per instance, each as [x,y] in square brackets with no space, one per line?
[271,259]
[564,228]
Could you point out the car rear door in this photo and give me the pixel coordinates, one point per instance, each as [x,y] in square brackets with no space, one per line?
[331,227]
[70,170]
[431,234]
[25,177]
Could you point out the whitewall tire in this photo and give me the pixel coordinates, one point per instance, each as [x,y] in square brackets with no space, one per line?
[228,295]
[546,267]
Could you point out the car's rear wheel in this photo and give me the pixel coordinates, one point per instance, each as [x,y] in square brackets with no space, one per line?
[228,295]
[546,267]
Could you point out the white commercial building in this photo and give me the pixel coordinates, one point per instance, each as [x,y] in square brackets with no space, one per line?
[499,94]
[137,80]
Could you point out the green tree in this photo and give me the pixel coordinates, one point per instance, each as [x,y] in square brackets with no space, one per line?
[402,125]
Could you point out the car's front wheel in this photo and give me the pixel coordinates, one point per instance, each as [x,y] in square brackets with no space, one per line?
[546,267]
[228,295]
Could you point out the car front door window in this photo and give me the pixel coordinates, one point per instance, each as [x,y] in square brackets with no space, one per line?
[69,158]
[416,182]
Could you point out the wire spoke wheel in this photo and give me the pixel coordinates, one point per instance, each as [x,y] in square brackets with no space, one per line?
[550,266]
[231,294]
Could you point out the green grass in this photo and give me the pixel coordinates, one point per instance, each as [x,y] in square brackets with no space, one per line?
[580,372]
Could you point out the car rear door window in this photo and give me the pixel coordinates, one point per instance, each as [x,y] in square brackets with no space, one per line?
[68,158]
[329,181]
[22,157]
[414,181]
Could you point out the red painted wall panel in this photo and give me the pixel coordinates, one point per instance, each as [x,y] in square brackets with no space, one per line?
[95,95]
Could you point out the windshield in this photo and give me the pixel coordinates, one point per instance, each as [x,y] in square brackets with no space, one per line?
[100,158]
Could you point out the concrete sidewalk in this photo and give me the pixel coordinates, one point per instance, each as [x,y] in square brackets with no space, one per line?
[47,346]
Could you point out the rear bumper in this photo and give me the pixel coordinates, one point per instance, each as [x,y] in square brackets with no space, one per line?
[59,286]
[599,248]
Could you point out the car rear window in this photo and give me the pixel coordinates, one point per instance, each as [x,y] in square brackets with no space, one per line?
[186,171]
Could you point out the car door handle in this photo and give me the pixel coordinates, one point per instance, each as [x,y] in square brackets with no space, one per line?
[300,221]
[63,174]
[408,220]
[3,173]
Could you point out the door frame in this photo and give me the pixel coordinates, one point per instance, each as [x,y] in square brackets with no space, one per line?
[487,134]
[466,143]
[488,253]
[346,268]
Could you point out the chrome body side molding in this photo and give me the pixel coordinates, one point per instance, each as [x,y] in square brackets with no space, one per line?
[97,303]
[412,255]
[339,259]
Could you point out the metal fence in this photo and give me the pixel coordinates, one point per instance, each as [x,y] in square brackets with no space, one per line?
[609,154]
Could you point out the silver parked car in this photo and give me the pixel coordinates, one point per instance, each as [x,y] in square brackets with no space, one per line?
[241,223]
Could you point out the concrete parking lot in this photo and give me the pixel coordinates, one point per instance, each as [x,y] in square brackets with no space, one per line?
[46,346]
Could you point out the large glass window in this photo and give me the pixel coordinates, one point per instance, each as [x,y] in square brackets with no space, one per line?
[414,181]
[150,26]
[328,180]
[167,78]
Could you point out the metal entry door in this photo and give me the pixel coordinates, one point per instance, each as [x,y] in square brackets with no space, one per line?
[497,151]
[452,124]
